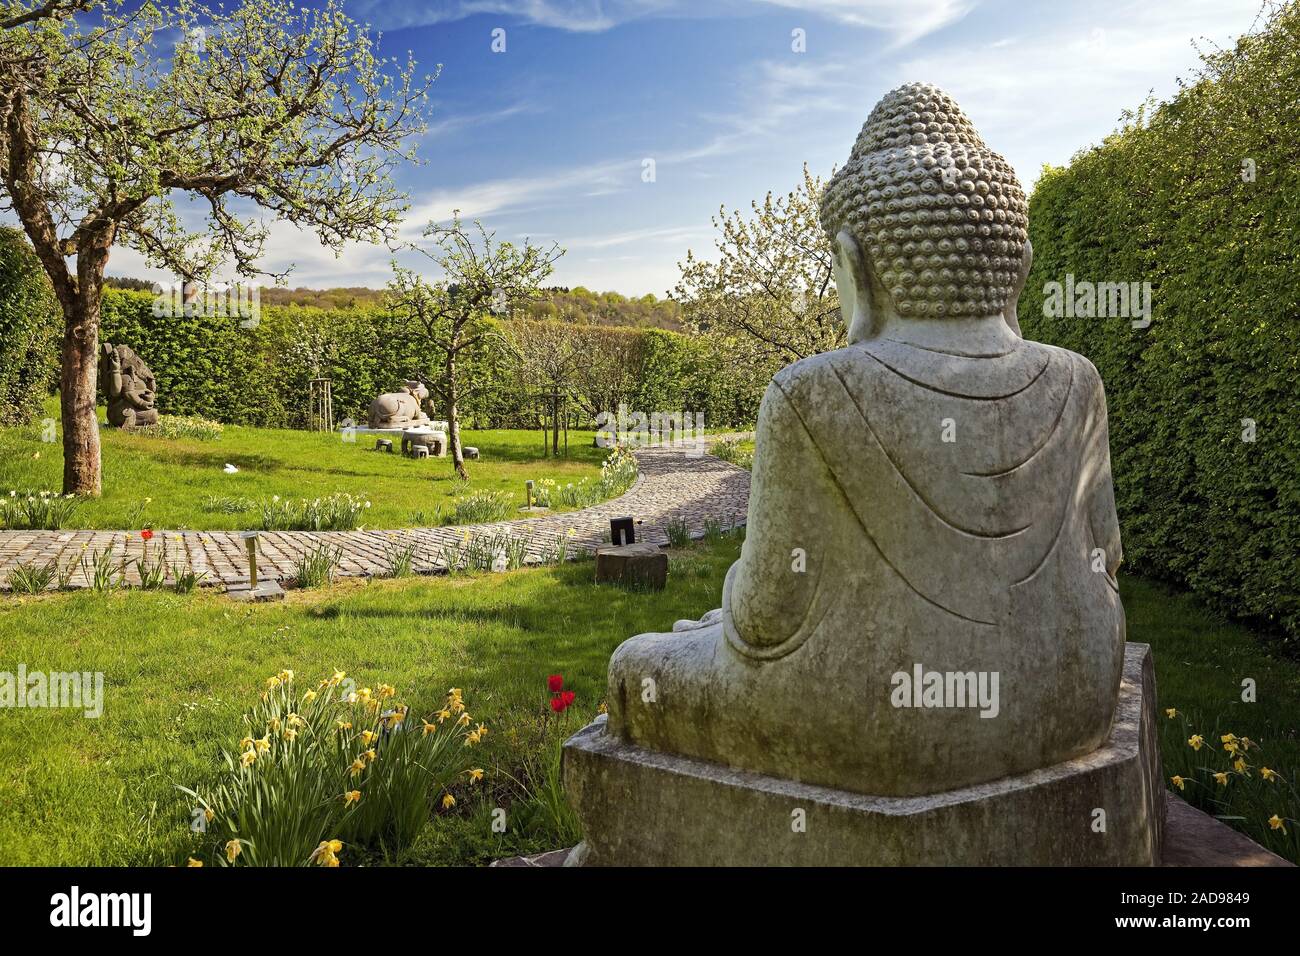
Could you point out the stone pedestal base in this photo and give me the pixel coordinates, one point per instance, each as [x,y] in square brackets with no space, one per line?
[633,565]
[640,807]
[267,589]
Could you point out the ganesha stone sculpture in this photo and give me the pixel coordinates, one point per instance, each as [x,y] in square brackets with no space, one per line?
[922,645]
[129,386]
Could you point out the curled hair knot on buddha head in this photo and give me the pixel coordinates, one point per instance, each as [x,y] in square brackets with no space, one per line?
[940,217]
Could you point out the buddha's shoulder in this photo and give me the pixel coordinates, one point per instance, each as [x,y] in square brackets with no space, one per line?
[811,372]
[855,366]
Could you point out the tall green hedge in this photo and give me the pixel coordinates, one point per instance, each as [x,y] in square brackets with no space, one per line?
[1169,199]
[29,330]
[259,376]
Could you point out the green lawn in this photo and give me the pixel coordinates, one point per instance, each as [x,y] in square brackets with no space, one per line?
[181,483]
[179,671]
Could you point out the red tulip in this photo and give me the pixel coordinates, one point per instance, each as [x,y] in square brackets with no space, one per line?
[557,704]
[146,534]
[567,697]
[555,682]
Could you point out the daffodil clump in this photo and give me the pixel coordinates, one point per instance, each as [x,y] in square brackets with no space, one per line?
[324,771]
[617,474]
[1230,776]
[336,512]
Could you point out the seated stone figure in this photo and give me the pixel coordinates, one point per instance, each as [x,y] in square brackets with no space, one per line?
[402,409]
[129,386]
[934,497]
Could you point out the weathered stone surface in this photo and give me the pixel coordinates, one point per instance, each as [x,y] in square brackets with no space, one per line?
[1194,838]
[645,807]
[632,565]
[129,386]
[266,590]
[400,409]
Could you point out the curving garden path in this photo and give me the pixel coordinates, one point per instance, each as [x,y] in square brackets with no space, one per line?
[673,485]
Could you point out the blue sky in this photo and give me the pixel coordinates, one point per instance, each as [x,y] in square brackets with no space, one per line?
[548,138]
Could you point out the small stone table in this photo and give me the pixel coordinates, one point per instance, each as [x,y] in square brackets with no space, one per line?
[636,565]
[434,441]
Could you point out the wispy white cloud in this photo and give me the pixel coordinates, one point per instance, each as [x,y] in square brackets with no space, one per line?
[904,22]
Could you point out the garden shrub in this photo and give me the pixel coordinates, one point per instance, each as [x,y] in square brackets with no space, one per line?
[30,323]
[1199,196]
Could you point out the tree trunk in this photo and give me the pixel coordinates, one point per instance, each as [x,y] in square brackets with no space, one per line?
[79,375]
[555,419]
[453,418]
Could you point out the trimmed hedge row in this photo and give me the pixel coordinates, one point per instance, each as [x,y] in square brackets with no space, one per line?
[30,323]
[259,376]
[1200,196]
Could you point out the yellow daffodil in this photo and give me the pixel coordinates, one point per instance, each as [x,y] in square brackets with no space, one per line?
[1195,741]
[475,774]
[1227,738]
[368,737]
[603,709]
[325,854]
[286,676]
[290,734]
[343,725]
[395,718]
[272,683]
[1267,774]
[1277,823]
[208,814]
[246,743]
[1240,765]
[386,690]
[247,757]
[352,796]
[369,755]
[193,862]
[1171,713]
[293,720]
[1221,779]
[1230,747]
[358,765]
[274,723]
[471,740]
[1178,782]
[262,745]
[233,849]
[463,720]
[338,677]
[1247,743]
[428,728]
[308,697]
[481,730]
[443,715]
[363,695]
[448,801]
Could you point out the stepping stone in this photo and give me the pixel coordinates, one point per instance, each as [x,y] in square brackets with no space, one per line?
[268,589]
[633,565]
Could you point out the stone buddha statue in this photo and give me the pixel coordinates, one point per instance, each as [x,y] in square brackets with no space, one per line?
[926,597]
[129,386]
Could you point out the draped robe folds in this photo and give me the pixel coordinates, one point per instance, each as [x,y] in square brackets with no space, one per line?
[909,508]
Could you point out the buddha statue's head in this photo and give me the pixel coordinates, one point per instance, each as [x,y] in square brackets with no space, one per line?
[926,222]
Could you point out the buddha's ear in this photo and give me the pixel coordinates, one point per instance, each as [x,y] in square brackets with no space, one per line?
[867,316]
[1009,311]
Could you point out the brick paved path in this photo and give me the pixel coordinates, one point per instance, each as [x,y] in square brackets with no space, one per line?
[673,485]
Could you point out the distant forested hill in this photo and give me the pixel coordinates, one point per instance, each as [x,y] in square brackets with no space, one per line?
[576,304]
